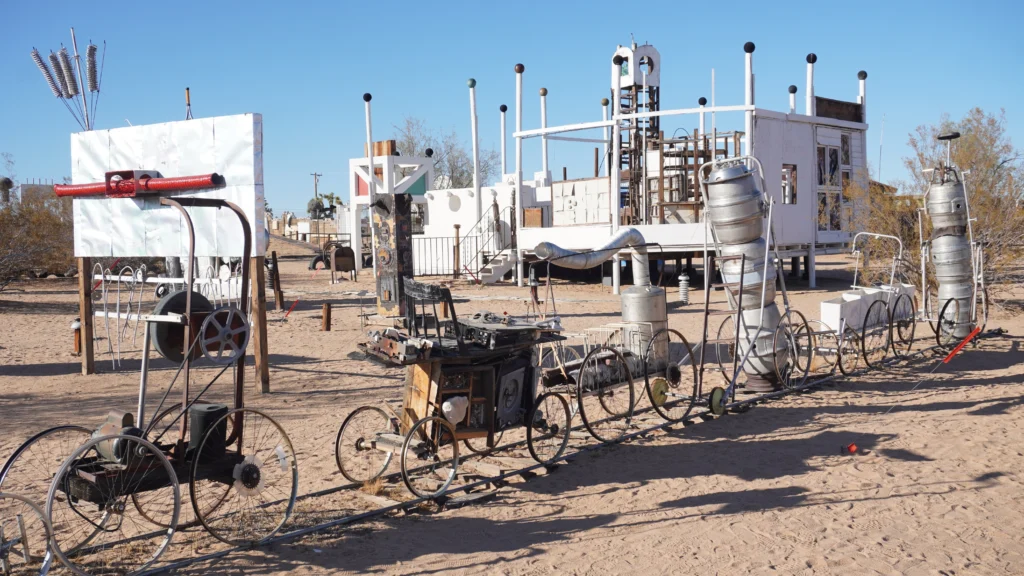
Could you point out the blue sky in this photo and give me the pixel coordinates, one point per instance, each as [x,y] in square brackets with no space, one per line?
[305,66]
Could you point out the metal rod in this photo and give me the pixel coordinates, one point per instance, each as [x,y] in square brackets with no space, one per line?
[371,185]
[518,190]
[476,149]
[78,65]
[140,413]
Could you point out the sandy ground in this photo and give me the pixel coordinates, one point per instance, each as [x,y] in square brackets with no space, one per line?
[935,488]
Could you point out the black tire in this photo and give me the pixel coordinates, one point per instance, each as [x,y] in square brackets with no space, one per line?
[876,334]
[318,259]
[413,467]
[849,352]
[543,424]
[904,322]
[606,396]
[479,445]
[664,391]
[946,323]
[793,333]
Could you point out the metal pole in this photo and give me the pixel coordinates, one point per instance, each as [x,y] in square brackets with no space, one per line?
[517,193]
[748,99]
[607,130]
[544,139]
[476,149]
[504,136]
[372,184]
[81,84]
[811,59]
[140,413]
[643,152]
[613,167]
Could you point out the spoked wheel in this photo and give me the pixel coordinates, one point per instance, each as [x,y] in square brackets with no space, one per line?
[904,321]
[358,460]
[224,335]
[260,472]
[548,428]
[792,349]
[725,348]
[849,351]
[120,538]
[479,445]
[826,347]
[430,457]
[947,323]
[554,356]
[605,394]
[24,537]
[670,375]
[153,504]
[876,334]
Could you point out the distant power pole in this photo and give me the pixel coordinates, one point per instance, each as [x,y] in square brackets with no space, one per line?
[316,182]
[316,194]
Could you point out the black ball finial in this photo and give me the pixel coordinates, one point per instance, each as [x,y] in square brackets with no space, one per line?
[792,89]
[702,101]
[812,58]
[862,75]
[429,152]
[520,68]
[748,47]
[543,91]
[604,101]
[503,108]
[367,97]
[617,60]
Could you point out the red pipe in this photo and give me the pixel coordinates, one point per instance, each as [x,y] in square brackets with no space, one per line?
[127,188]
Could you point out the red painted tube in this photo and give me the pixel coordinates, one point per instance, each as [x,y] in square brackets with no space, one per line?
[126,188]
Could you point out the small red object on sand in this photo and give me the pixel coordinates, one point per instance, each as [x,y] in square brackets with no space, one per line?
[292,308]
[850,449]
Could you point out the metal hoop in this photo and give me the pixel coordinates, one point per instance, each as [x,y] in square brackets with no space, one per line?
[224,335]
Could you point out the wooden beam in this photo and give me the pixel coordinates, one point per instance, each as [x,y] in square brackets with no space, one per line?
[278,293]
[325,323]
[85,314]
[259,320]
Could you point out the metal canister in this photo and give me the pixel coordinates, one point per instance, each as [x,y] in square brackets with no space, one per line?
[947,204]
[646,305]
[735,205]
[754,272]
[760,333]
[951,256]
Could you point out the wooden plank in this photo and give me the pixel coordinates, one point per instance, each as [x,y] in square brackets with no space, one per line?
[278,293]
[325,322]
[85,314]
[259,319]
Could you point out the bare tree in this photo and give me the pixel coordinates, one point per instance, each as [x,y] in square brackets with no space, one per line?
[453,161]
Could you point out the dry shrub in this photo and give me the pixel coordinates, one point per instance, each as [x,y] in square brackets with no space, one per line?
[36,236]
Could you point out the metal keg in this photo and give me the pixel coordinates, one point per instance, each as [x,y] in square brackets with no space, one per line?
[951,256]
[761,361]
[735,205]
[646,305]
[963,293]
[754,271]
[947,204]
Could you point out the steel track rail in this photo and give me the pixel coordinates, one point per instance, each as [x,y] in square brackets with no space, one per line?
[367,515]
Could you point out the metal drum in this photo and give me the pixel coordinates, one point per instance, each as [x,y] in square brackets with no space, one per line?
[735,205]
[646,305]
[951,256]
[947,204]
[754,271]
[963,293]
[761,362]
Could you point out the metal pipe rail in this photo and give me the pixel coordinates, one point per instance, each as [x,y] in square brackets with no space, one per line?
[354,518]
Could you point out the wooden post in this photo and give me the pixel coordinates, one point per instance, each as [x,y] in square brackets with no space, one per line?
[85,313]
[278,294]
[325,323]
[258,285]
[565,173]
[457,267]
[597,162]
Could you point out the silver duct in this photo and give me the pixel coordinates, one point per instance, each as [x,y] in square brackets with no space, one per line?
[950,247]
[736,213]
[642,304]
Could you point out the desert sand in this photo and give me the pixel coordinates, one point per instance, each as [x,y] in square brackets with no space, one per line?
[935,487]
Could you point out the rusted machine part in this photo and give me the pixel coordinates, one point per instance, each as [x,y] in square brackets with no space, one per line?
[125,184]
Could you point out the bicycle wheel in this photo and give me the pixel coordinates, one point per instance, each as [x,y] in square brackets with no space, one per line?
[605,394]
[792,349]
[876,334]
[558,356]
[358,460]
[826,347]
[430,457]
[904,322]
[24,537]
[947,323]
[849,351]
[550,423]
[725,347]
[670,375]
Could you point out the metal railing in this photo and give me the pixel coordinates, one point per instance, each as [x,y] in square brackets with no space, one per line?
[493,234]
[435,255]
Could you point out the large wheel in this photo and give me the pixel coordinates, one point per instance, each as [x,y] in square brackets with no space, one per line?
[31,468]
[122,540]
[430,457]
[605,394]
[725,345]
[479,445]
[357,459]
[904,322]
[548,427]
[670,375]
[876,334]
[153,504]
[24,537]
[553,356]
[260,469]
[826,347]
[849,351]
[947,322]
[792,349]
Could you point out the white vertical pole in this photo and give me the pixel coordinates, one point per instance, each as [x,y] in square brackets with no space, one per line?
[607,131]
[544,138]
[748,99]
[476,149]
[702,102]
[862,76]
[811,59]
[519,168]
[371,185]
[613,187]
[792,99]
[504,137]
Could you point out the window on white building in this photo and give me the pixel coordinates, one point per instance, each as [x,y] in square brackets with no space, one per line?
[789,183]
